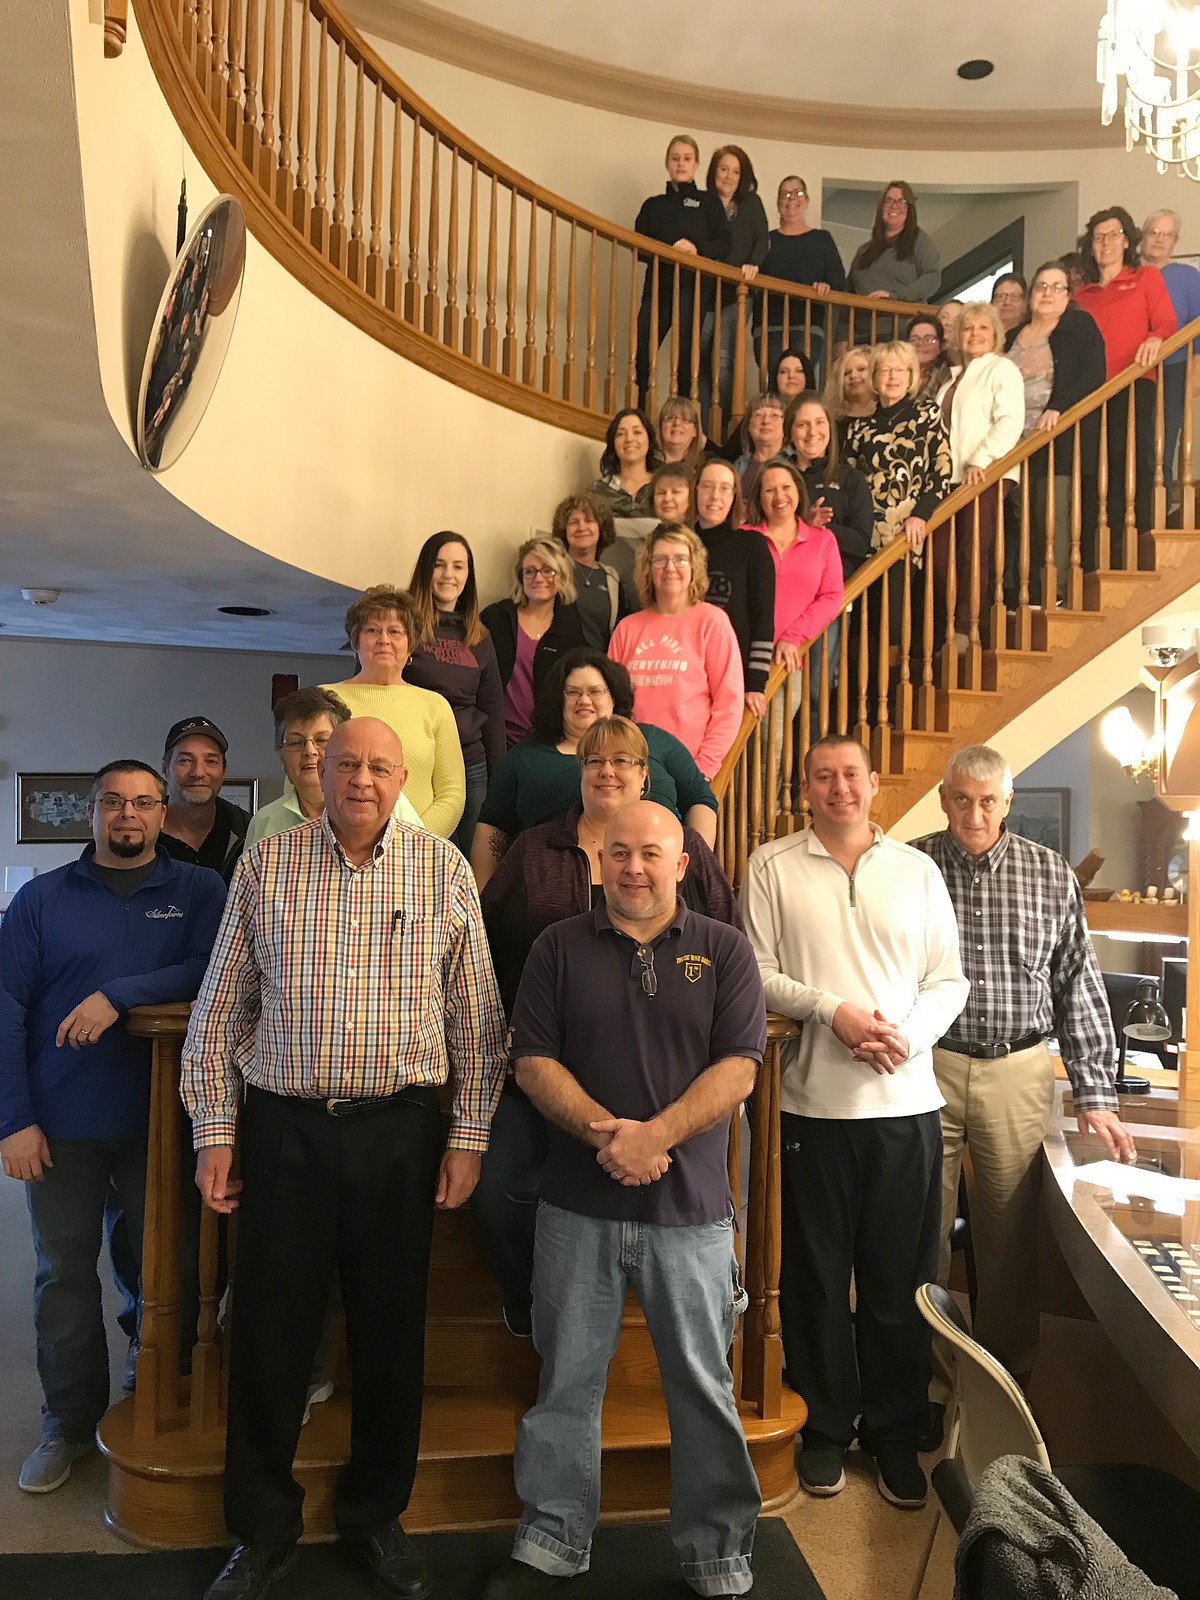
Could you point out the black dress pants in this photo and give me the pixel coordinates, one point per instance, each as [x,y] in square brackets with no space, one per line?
[860,1198]
[1144,391]
[323,1194]
[653,328]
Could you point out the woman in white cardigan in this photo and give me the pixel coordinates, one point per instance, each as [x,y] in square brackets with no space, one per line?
[984,410]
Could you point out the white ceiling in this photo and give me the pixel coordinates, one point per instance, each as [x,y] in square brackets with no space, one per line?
[870,52]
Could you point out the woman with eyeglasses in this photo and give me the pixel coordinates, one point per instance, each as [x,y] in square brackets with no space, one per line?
[1059,352]
[761,437]
[532,628]
[1131,306]
[899,261]
[798,253]
[384,628]
[538,780]
[681,652]
[929,342]
[680,432]
[553,872]
[1010,296]
[902,449]
[458,661]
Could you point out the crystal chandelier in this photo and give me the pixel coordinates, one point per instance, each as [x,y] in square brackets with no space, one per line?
[1155,46]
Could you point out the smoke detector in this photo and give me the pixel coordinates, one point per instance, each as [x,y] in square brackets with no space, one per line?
[40,597]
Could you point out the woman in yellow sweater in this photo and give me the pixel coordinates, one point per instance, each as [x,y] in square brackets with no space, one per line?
[384,630]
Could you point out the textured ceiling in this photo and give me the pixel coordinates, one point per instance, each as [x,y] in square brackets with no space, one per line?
[882,53]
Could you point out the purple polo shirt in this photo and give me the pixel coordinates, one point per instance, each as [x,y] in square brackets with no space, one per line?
[582,1002]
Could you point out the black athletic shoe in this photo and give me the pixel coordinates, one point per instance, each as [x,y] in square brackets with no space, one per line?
[820,1468]
[935,1430]
[250,1571]
[901,1479]
[517,1580]
[393,1562]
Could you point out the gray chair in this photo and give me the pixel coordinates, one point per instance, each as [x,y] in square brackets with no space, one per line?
[1149,1514]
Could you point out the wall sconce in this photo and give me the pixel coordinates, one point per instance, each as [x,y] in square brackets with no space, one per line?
[1137,752]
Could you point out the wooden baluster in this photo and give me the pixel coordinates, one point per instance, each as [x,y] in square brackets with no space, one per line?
[743,820]
[265,161]
[754,771]
[878,593]
[1187,484]
[949,673]
[318,227]
[874,327]
[237,81]
[188,29]
[610,371]
[786,821]
[450,314]
[283,178]
[491,337]
[373,275]
[433,245]
[1162,469]
[713,424]
[205,1397]
[509,352]
[675,347]
[1023,631]
[904,691]
[1075,576]
[737,398]
[972,667]
[693,385]
[1104,543]
[999,616]
[1129,555]
[529,353]
[589,362]
[550,350]
[1050,566]
[926,711]
[248,143]
[218,81]
[804,733]
[204,46]
[356,250]
[843,686]
[763,371]
[568,376]
[632,398]
[337,228]
[392,287]
[822,644]
[771,774]
[880,744]
[652,354]
[412,281]
[470,334]
[808,328]
[785,331]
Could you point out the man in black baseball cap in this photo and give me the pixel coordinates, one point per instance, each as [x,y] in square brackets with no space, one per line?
[200,827]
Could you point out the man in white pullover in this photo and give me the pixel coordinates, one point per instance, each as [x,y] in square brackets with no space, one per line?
[856,938]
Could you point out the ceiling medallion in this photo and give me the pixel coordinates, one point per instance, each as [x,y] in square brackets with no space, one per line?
[1155,46]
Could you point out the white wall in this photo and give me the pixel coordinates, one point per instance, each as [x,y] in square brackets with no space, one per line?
[1068,766]
[70,707]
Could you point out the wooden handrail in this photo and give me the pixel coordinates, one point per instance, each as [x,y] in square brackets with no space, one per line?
[311,128]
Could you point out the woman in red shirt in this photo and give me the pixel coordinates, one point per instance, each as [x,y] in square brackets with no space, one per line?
[1132,308]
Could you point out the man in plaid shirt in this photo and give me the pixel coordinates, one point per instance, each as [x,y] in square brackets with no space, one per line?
[350,978]
[1026,949]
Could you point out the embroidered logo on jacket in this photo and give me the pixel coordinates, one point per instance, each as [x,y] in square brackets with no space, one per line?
[693,966]
[165,915]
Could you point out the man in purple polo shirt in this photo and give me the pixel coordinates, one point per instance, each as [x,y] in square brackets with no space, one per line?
[638,1029]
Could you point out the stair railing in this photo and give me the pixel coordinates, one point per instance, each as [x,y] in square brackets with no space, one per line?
[909,647]
[430,244]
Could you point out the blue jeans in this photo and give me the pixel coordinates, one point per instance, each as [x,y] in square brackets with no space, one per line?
[477,782]
[684,1279]
[504,1200]
[66,1207]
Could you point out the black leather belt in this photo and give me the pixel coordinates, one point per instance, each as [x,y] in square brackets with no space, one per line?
[365,1105]
[992,1052]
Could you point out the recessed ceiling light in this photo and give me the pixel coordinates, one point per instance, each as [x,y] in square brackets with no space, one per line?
[244,611]
[977,69]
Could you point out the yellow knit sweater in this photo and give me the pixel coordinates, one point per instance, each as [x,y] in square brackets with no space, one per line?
[425,725]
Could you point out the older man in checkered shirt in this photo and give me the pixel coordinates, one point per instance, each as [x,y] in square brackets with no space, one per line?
[1025,947]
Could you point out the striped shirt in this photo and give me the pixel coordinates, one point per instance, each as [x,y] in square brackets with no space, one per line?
[331,981]
[1025,947]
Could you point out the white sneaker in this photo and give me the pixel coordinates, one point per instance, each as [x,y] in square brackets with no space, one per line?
[317,1396]
[50,1465]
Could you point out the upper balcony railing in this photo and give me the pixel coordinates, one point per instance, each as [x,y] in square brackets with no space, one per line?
[429,243]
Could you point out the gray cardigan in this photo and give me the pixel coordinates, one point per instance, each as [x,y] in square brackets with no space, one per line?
[918,279]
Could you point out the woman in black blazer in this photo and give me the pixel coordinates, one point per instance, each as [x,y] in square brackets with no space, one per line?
[531,629]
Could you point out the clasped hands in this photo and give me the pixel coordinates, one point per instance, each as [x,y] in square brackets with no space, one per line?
[632,1153]
[870,1037]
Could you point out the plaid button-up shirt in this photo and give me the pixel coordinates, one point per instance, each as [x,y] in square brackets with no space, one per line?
[1026,949]
[333,981]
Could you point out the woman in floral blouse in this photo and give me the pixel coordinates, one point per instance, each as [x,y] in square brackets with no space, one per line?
[902,448]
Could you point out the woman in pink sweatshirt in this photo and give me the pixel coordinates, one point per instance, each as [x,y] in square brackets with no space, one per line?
[682,653]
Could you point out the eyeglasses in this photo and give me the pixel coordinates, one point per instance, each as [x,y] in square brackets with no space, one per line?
[1050,288]
[296,743]
[348,766]
[538,572]
[793,194]
[659,562]
[118,802]
[587,694]
[1110,233]
[373,631]
[891,204]
[1007,297]
[649,976]
[924,338]
[617,763]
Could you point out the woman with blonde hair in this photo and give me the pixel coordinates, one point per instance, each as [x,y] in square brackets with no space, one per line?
[532,627]
[681,652]
[902,448]
[848,392]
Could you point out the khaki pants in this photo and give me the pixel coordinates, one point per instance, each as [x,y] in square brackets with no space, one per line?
[1000,1110]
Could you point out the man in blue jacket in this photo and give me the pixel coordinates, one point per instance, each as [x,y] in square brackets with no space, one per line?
[123,926]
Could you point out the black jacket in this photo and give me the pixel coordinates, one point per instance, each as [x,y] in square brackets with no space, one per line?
[1077,347]
[564,633]
[853,512]
[684,213]
[741,580]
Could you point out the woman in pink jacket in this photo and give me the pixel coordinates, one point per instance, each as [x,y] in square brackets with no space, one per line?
[682,654]
[808,567]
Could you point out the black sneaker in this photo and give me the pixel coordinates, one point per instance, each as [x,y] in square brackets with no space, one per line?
[250,1571]
[900,1477]
[517,1580]
[820,1468]
[935,1429]
[394,1564]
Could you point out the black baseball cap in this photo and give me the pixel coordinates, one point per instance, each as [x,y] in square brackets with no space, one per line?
[202,725]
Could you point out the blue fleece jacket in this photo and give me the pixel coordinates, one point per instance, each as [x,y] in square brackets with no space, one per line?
[67,935]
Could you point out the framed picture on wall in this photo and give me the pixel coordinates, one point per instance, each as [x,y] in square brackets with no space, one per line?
[52,807]
[241,792]
[1043,815]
